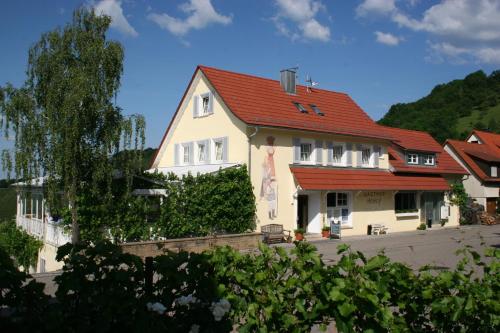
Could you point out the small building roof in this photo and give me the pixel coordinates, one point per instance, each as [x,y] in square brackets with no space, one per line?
[365,180]
[445,164]
[467,152]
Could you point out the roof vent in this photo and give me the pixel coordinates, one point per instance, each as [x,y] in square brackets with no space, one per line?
[288,80]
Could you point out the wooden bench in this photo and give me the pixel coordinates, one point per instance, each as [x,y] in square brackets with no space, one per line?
[274,233]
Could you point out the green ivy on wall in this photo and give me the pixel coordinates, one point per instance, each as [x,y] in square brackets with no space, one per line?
[18,244]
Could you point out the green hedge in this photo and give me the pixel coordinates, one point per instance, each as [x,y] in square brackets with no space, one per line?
[18,244]
[221,202]
[102,289]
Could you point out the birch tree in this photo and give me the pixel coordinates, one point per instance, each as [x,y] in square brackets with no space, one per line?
[64,119]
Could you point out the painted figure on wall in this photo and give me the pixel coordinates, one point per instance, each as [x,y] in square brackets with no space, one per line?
[269,187]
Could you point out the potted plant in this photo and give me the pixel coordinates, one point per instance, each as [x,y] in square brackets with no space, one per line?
[325,231]
[299,234]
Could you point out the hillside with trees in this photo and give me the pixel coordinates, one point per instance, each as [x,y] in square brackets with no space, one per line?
[452,109]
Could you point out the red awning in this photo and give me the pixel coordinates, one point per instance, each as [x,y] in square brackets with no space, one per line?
[366,180]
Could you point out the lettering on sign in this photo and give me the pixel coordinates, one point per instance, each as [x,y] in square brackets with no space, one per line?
[373,198]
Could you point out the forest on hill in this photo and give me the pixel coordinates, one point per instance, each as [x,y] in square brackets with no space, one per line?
[452,109]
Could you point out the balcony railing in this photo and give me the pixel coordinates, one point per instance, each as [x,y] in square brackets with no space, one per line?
[48,232]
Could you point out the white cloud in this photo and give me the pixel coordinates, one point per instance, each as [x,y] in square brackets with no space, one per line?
[375,7]
[113,8]
[200,13]
[303,14]
[387,38]
[460,30]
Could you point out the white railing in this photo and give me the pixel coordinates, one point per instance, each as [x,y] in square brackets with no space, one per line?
[48,232]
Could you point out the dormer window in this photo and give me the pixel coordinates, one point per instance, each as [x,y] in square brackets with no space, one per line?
[205,102]
[412,158]
[429,159]
[300,107]
[316,110]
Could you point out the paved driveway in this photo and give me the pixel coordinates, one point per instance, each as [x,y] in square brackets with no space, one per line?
[418,248]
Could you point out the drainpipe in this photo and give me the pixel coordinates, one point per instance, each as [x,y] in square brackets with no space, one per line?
[250,149]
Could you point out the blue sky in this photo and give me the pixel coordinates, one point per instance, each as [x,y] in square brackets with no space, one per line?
[380,52]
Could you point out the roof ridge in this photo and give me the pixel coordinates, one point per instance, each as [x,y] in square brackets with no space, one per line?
[268,79]
[406,129]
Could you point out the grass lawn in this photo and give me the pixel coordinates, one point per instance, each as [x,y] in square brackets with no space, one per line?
[466,124]
[7,203]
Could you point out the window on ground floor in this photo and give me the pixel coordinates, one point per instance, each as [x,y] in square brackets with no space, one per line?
[405,202]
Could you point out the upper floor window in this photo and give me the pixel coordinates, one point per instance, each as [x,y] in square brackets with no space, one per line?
[202,152]
[337,153]
[305,152]
[203,105]
[429,159]
[316,110]
[366,154]
[412,158]
[300,107]
[186,154]
[219,150]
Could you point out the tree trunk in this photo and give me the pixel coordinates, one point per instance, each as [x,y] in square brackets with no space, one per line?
[75,228]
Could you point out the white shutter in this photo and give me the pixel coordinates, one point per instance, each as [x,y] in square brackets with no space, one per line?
[211,103]
[330,152]
[319,152]
[196,106]
[208,150]
[191,153]
[225,148]
[359,155]
[348,148]
[376,155]
[176,154]
[296,150]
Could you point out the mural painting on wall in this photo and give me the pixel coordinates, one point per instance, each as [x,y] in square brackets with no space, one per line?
[269,187]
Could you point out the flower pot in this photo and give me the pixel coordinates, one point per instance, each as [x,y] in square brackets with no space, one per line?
[325,233]
[299,236]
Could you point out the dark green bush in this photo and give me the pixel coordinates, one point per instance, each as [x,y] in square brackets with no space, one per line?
[102,289]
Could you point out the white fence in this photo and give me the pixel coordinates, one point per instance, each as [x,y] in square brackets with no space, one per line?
[48,232]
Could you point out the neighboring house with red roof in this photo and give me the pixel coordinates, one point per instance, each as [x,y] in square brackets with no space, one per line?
[313,155]
[480,155]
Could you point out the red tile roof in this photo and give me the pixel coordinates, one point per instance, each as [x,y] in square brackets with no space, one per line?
[368,180]
[413,140]
[463,150]
[260,101]
[445,164]
[490,139]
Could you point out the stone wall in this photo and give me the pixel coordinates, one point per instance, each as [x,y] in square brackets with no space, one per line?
[195,244]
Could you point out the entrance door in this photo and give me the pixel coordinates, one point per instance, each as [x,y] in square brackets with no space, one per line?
[491,205]
[431,208]
[302,211]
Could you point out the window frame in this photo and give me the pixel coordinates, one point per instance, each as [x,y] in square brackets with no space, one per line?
[408,207]
[316,109]
[312,155]
[343,156]
[409,159]
[370,157]
[432,156]
[202,112]
[221,142]
[300,107]
[204,144]
[185,148]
